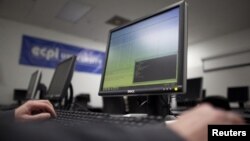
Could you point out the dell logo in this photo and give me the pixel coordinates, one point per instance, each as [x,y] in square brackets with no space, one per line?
[131,91]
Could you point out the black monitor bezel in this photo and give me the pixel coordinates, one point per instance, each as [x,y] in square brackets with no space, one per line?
[63,93]
[182,48]
[38,76]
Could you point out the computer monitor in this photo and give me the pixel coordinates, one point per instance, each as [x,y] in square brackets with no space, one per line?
[33,86]
[193,93]
[148,55]
[238,94]
[61,80]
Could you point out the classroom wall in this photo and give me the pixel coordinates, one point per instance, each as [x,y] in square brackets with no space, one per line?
[13,75]
[216,82]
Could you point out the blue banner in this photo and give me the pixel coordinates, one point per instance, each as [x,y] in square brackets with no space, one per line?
[44,53]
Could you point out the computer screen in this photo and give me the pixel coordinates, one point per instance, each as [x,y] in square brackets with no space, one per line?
[61,79]
[33,84]
[238,94]
[194,90]
[147,56]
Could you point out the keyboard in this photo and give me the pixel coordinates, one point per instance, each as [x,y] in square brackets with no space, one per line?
[74,118]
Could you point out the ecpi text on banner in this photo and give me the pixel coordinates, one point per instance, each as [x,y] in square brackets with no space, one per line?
[45,53]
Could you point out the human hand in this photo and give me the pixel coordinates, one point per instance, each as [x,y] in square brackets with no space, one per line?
[193,125]
[35,110]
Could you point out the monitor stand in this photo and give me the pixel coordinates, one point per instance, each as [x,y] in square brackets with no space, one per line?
[43,89]
[66,101]
[155,105]
[69,97]
[241,105]
[159,105]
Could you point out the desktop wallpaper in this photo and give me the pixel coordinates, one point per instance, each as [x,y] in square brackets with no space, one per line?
[144,53]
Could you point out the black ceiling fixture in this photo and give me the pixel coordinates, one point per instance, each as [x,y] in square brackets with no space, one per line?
[117,21]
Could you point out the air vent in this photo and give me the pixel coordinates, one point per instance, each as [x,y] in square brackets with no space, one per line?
[117,21]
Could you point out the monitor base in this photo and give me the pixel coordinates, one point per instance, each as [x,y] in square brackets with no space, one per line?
[159,105]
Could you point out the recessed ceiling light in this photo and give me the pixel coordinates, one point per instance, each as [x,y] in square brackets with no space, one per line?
[73,11]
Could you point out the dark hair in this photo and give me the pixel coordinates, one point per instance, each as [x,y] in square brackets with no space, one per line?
[217,102]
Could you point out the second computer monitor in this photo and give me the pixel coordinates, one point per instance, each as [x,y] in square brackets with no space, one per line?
[194,91]
[147,56]
[61,79]
[33,86]
[238,94]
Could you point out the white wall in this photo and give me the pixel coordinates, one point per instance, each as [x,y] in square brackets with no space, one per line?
[13,75]
[216,82]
